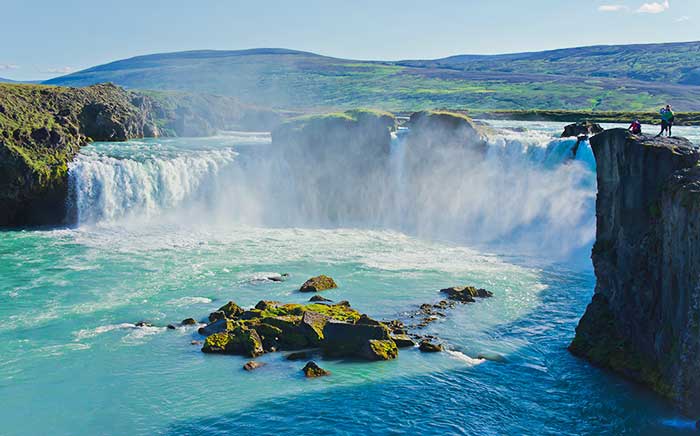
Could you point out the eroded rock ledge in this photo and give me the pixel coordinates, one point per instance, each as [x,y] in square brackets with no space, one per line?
[644,320]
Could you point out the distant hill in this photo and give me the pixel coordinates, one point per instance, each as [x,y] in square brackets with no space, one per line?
[3,80]
[625,77]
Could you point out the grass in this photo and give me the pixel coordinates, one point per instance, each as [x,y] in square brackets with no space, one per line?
[620,79]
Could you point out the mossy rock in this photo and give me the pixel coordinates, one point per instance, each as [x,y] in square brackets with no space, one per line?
[311,369]
[380,349]
[216,343]
[318,284]
[231,309]
[403,341]
[218,326]
[311,326]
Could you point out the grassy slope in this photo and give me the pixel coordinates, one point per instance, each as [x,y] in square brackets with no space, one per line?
[298,80]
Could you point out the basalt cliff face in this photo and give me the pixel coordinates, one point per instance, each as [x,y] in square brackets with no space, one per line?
[644,320]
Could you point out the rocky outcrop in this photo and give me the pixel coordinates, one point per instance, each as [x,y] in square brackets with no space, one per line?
[41,130]
[43,127]
[582,128]
[644,320]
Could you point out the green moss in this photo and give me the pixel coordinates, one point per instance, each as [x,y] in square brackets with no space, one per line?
[383,349]
[338,312]
[216,343]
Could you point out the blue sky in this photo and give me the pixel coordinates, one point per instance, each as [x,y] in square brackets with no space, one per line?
[46,38]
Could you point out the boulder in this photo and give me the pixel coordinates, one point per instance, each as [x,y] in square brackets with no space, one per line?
[311,369]
[241,340]
[231,309]
[465,294]
[279,278]
[343,339]
[189,321]
[143,324]
[217,315]
[318,284]
[403,341]
[267,305]
[380,349]
[311,326]
[218,326]
[291,337]
[319,298]
[253,365]
[366,320]
[429,347]
[584,128]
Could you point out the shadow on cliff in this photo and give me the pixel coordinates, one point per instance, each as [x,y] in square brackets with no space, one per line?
[541,389]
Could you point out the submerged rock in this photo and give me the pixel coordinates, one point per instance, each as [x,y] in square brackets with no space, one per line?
[143,324]
[189,321]
[253,365]
[279,278]
[465,294]
[299,355]
[318,284]
[311,369]
[217,326]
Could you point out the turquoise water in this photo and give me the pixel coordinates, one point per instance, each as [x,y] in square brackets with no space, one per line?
[154,243]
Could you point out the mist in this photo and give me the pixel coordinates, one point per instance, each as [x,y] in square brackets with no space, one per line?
[511,191]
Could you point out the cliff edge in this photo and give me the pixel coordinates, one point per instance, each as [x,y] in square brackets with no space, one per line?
[644,319]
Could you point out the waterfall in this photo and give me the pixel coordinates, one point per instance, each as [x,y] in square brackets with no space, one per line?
[525,190]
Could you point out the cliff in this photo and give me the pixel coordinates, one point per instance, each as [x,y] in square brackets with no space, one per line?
[43,127]
[41,130]
[644,320]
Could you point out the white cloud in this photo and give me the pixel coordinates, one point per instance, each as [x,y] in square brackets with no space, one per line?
[683,19]
[654,8]
[61,70]
[612,8]
[8,67]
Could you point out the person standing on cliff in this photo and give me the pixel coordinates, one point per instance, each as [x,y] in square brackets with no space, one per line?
[666,120]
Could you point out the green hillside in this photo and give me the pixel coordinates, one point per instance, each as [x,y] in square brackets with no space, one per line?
[622,78]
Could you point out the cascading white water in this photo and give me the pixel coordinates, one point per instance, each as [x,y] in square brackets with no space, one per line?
[106,189]
[526,191]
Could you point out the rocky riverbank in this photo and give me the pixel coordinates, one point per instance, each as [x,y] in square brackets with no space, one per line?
[644,320]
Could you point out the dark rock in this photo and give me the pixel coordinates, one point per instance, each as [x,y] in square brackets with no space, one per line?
[311,326]
[215,316]
[343,303]
[143,324]
[267,305]
[379,349]
[465,294]
[241,340]
[253,365]
[343,339]
[319,298]
[279,278]
[220,325]
[171,327]
[318,284]
[364,319]
[403,341]
[429,347]
[189,321]
[231,309]
[643,319]
[313,370]
[299,355]
[585,128]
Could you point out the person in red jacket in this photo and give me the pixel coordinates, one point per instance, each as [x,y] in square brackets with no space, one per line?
[635,127]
